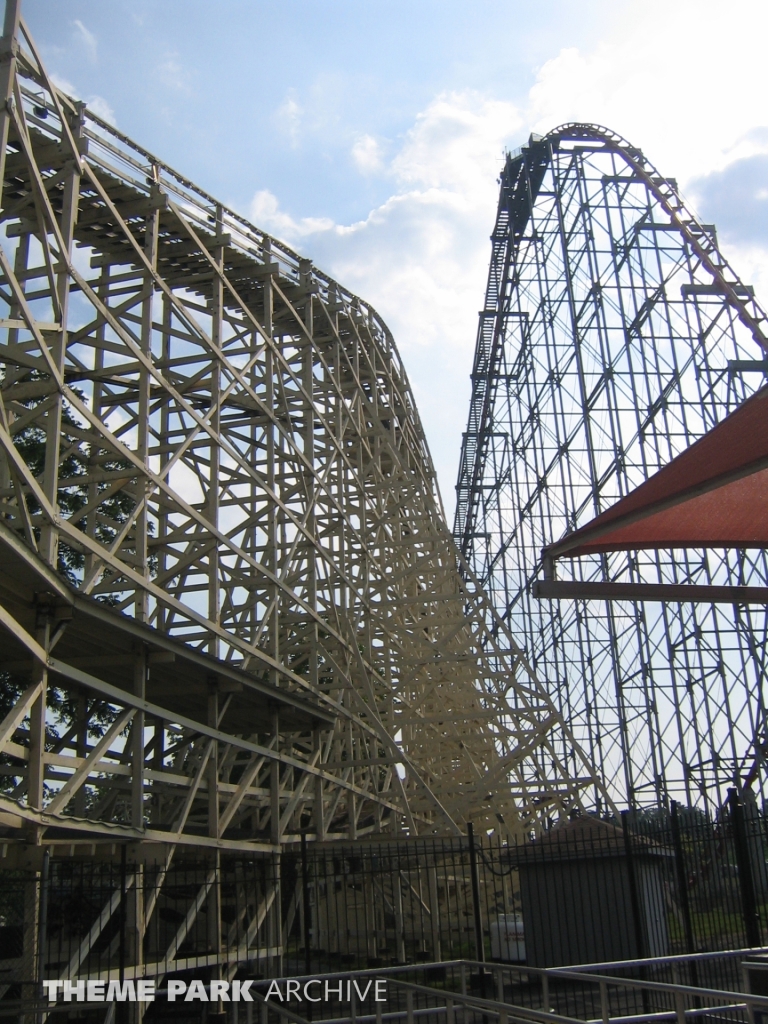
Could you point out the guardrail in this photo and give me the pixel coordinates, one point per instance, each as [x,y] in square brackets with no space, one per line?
[601,991]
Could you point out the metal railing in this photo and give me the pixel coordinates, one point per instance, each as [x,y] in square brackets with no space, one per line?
[471,992]
[603,992]
[565,897]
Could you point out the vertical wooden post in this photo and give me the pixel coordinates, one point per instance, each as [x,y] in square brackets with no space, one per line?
[81,717]
[212,510]
[165,456]
[319,809]
[158,757]
[137,739]
[274,781]
[351,797]
[212,770]
[57,343]
[36,777]
[9,46]
[151,231]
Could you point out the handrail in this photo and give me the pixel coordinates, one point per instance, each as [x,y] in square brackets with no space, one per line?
[726,1001]
[507,1012]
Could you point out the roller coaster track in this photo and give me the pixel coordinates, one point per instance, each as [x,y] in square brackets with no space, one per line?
[232,612]
[614,332]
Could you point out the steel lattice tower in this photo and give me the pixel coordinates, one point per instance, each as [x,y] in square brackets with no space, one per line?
[613,335]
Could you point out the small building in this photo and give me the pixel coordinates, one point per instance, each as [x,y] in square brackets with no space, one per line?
[576,894]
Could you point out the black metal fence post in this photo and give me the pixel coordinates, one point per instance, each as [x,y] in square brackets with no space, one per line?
[634,899]
[42,927]
[744,868]
[682,889]
[475,878]
[305,898]
[123,887]
[479,943]
[682,880]
[633,893]
[122,1008]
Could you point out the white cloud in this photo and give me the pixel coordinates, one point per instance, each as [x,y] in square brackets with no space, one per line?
[752,143]
[314,112]
[99,106]
[95,103]
[265,212]
[425,237]
[289,118]
[87,38]
[366,154]
[173,74]
[679,79]
[421,257]
[736,199]
[65,85]
[456,141]
[686,83]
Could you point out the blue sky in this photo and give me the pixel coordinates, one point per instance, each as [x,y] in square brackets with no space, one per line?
[369,135]
[274,95]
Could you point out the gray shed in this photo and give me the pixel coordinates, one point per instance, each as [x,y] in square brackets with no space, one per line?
[577,898]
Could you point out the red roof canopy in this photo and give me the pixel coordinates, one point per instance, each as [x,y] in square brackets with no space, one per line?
[714,494]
